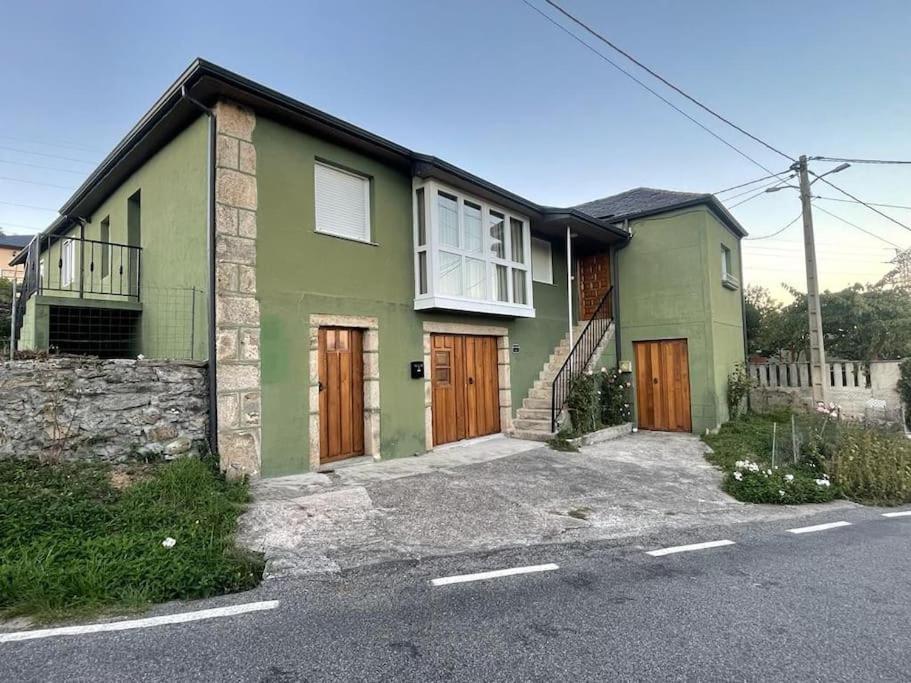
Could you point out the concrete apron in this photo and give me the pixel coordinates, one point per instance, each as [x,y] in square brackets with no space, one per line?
[488,494]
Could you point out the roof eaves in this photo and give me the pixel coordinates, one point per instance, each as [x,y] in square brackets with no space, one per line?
[707,200]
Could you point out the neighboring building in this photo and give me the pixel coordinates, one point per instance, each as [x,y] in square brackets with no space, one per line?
[370,300]
[10,246]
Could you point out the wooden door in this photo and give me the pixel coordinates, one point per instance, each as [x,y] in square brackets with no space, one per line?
[465,394]
[594,281]
[663,385]
[341,395]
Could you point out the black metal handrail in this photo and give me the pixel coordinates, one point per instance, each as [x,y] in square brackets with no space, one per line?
[580,355]
[88,267]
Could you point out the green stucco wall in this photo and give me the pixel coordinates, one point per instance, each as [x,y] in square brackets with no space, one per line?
[173,190]
[670,288]
[300,272]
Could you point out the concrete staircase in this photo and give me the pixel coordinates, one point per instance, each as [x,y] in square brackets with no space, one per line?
[533,418]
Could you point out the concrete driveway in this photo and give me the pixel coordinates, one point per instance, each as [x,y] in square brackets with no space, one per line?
[489,494]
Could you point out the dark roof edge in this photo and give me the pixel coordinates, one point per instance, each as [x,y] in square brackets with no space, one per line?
[708,200]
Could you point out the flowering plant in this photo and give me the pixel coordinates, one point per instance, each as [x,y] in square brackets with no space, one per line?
[615,398]
[749,481]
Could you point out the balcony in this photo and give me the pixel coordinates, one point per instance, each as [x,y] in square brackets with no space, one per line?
[82,268]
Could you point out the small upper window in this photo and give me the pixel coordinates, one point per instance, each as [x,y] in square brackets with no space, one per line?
[342,203]
[542,266]
[726,268]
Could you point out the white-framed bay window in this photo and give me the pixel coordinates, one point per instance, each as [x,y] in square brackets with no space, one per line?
[470,254]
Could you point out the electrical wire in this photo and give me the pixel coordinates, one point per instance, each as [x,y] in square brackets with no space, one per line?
[762,190]
[692,99]
[46,168]
[62,145]
[854,225]
[33,182]
[861,201]
[777,232]
[30,206]
[44,154]
[654,92]
[862,161]
[854,201]
[752,182]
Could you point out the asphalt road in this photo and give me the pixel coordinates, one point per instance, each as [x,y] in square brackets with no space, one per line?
[832,605]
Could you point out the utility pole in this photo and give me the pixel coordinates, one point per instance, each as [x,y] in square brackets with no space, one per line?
[818,366]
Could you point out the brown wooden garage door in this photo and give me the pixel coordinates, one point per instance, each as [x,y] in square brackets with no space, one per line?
[663,385]
[465,389]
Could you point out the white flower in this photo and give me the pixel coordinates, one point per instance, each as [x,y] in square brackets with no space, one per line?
[781,493]
[169,542]
[589,373]
[789,477]
[768,473]
[603,370]
[738,476]
[821,408]
[824,483]
[140,357]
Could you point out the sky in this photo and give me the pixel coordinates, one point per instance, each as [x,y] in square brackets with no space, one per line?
[491,86]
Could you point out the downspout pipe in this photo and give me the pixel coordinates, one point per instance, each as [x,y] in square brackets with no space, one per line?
[615,273]
[210,254]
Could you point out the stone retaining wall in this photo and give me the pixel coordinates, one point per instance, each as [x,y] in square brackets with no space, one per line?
[106,410]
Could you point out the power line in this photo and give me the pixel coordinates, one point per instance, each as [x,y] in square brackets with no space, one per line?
[667,82]
[777,232]
[62,145]
[862,161]
[854,225]
[33,182]
[762,191]
[46,168]
[854,201]
[44,154]
[861,201]
[649,89]
[30,206]
[18,226]
[752,182]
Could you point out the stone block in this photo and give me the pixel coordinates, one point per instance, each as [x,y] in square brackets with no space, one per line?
[226,151]
[225,219]
[235,189]
[235,250]
[235,120]
[239,454]
[226,344]
[236,310]
[229,410]
[249,344]
[247,158]
[226,277]
[250,408]
[246,281]
[246,223]
[236,377]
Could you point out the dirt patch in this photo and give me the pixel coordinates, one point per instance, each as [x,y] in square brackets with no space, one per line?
[123,477]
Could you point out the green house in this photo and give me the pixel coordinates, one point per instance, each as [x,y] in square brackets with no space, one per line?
[355,298]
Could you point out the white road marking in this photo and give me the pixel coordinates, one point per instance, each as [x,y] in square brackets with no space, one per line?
[180,618]
[688,548]
[497,573]
[818,527]
[903,513]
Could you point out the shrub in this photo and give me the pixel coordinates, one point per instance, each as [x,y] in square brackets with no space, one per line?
[739,385]
[584,404]
[615,400]
[873,466]
[754,483]
[904,388]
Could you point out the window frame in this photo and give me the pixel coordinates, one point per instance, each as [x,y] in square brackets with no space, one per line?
[368,204]
[432,248]
[67,262]
[550,261]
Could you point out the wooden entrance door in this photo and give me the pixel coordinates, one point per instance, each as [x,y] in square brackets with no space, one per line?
[341,393]
[663,385]
[594,281]
[465,389]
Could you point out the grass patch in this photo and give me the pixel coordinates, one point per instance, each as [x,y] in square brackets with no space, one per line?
[742,448]
[873,466]
[78,538]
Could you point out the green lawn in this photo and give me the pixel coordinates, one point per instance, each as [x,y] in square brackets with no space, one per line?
[80,538]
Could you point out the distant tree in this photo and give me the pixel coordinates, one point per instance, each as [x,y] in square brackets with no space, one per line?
[6,299]
[861,322]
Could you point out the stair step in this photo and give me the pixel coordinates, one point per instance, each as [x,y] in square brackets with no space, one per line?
[529,435]
[539,393]
[533,414]
[536,403]
[532,425]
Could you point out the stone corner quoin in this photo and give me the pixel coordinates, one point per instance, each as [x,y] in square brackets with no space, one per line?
[237,315]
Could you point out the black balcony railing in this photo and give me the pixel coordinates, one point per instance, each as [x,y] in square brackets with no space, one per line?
[580,355]
[87,268]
